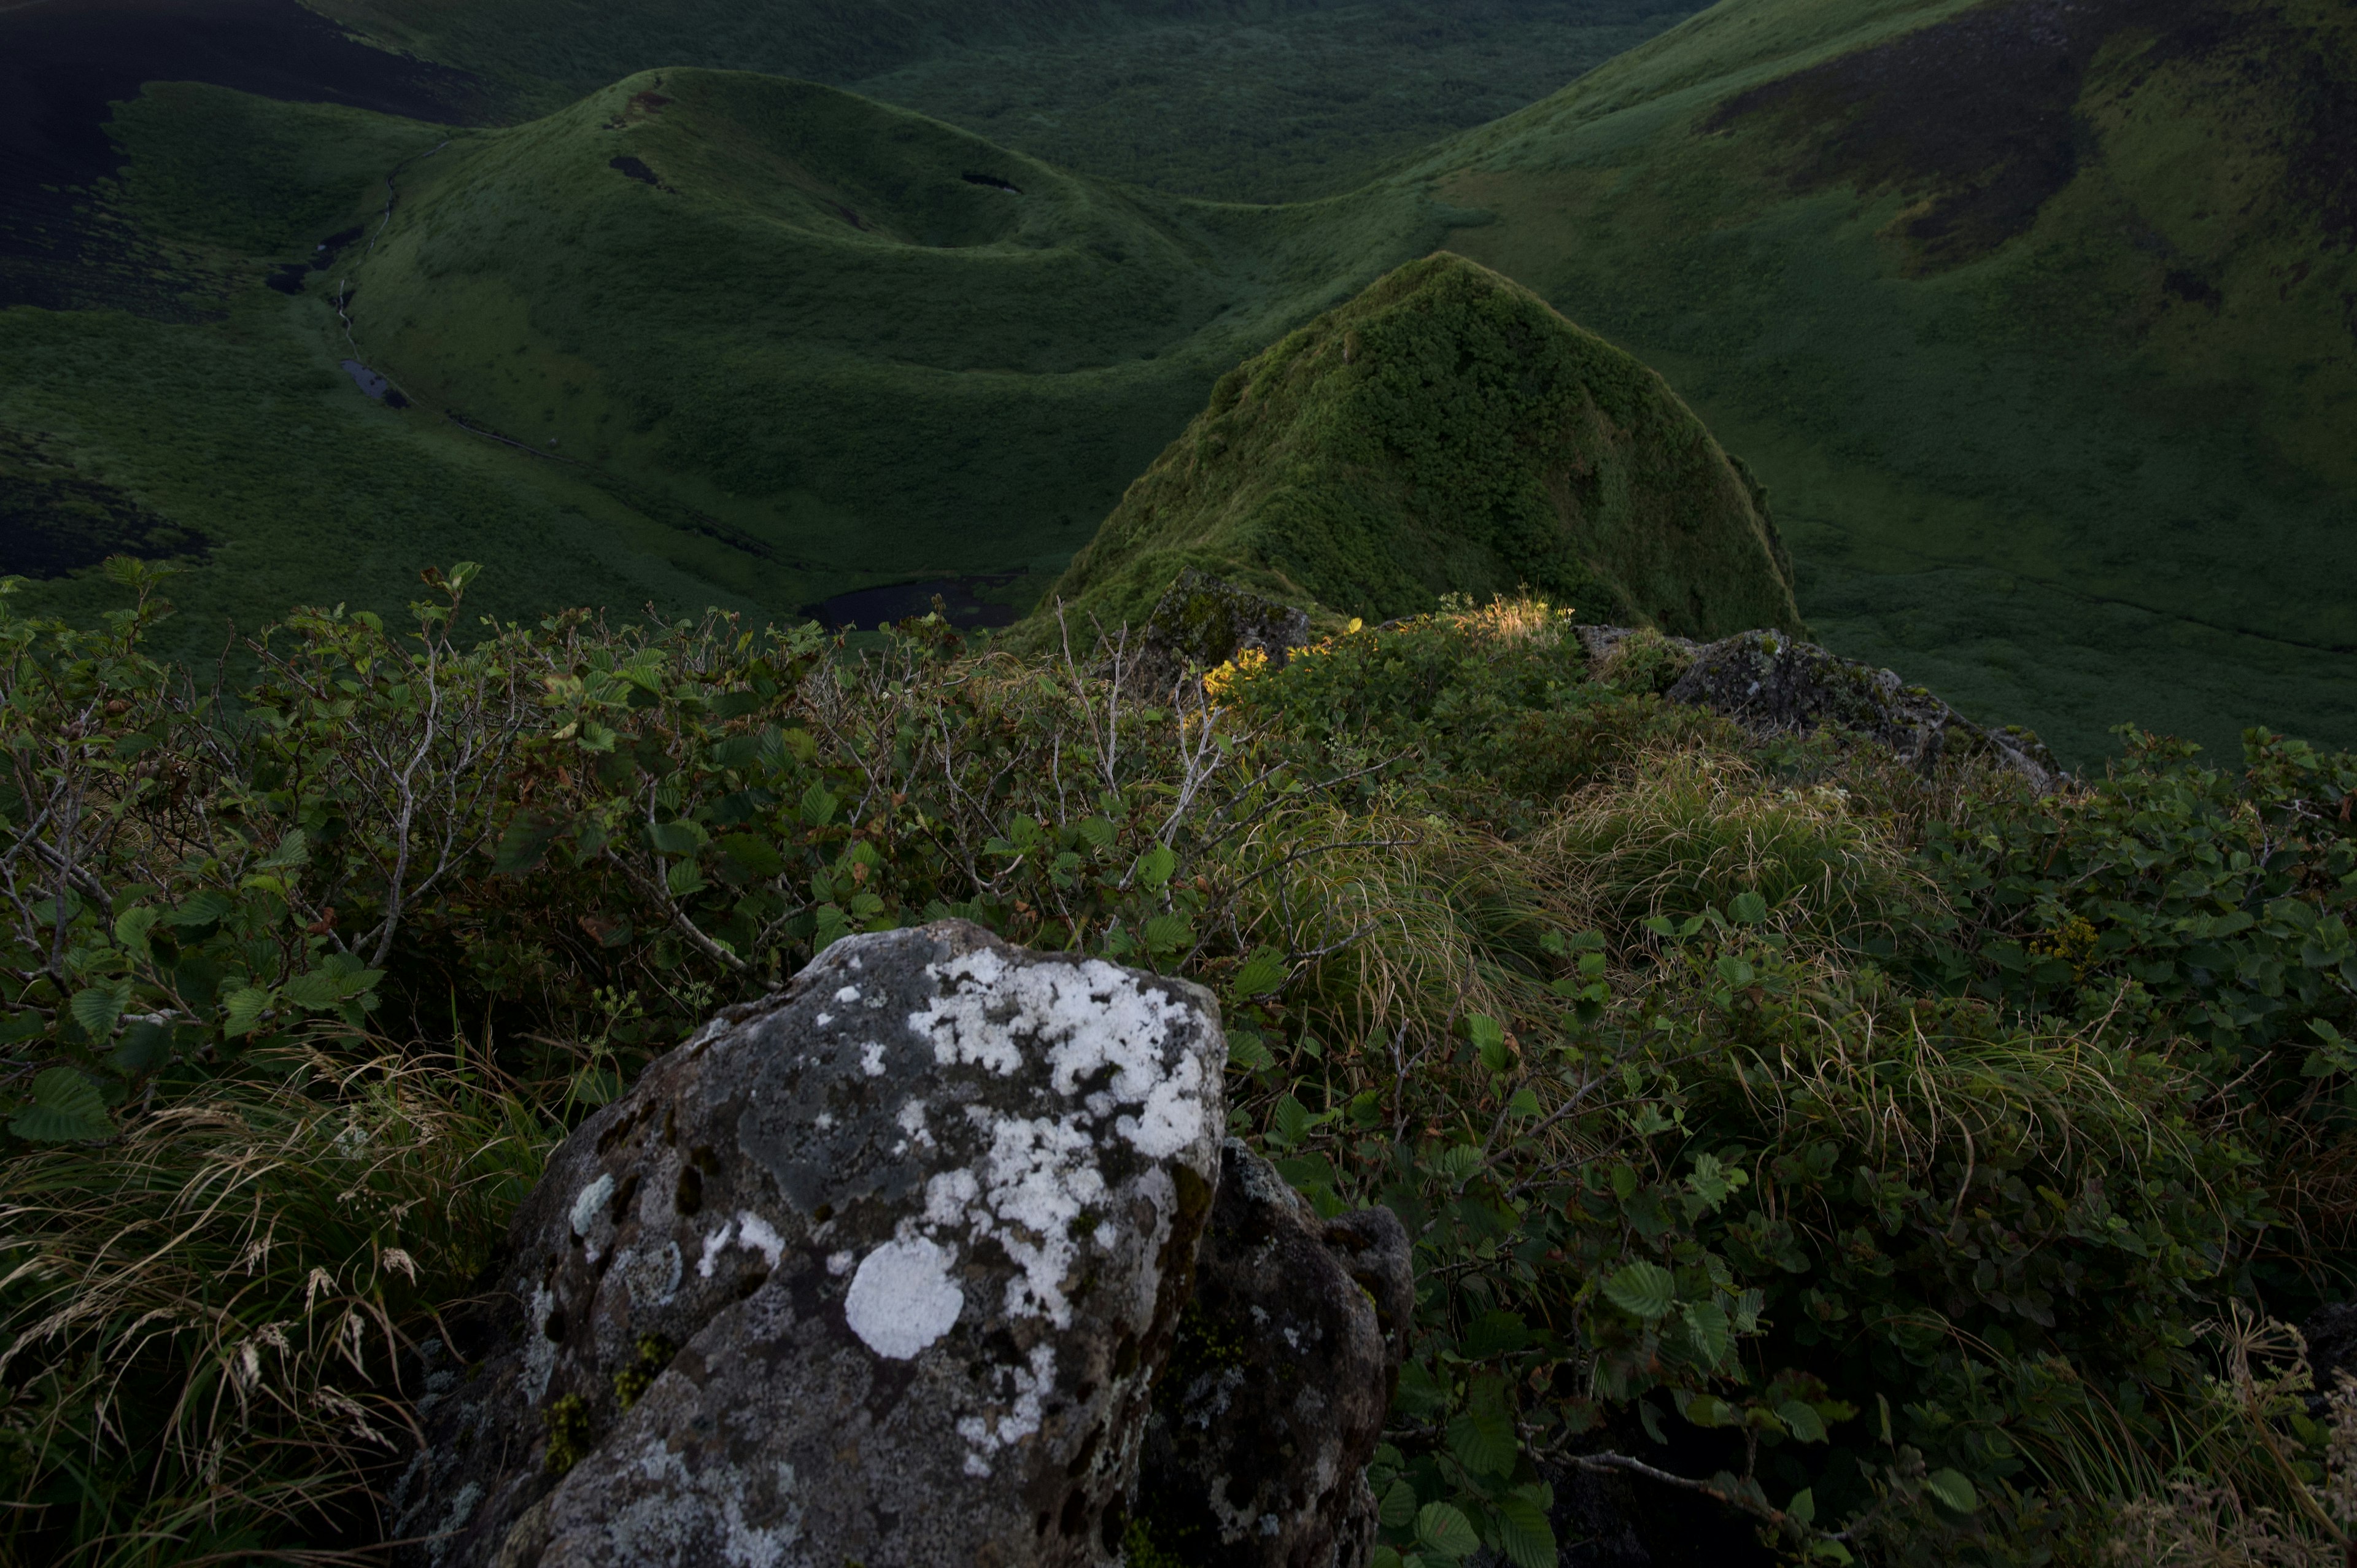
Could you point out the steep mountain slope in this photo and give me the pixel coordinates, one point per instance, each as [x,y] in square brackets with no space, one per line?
[1240,100]
[854,340]
[1445,431]
[2039,320]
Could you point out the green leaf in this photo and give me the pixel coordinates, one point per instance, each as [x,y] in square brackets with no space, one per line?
[1803,1421]
[242,1010]
[1387,1557]
[1642,1288]
[292,852]
[818,807]
[1746,908]
[1262,973]
[1489,1038]
[1397,1510]
[680,837]
[145,1047]
[97,1009]
[1483,1442]
[1803,1509]
[1951,1487]
[1155,866]
[683,877]
[205,909]
[525,843]
[313,993]
[753,854]
[65,1109]
[1443,1530]
[1292,1121]
[1247,1050]
[1098,831]
[1168,933]
[131,926]
[1526,1534]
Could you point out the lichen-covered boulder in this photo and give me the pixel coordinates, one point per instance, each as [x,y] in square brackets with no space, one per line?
[1774,684]
[1274,1400]
[880,1270]
[1204,621]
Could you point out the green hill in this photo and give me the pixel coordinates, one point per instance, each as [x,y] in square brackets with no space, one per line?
[1445,431]
[1240,100]
[2034,325]
[854,342]
[2035,319]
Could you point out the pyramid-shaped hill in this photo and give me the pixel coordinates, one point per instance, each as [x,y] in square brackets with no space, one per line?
[1447,431]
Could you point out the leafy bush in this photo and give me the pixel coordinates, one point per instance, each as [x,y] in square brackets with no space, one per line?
[1765,1127]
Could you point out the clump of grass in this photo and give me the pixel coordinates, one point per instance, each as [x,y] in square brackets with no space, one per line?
[1687,829]
[205,1324]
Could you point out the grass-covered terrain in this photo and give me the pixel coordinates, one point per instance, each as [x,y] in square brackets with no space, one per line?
[2038,335]
[1250,102]
[1858,1164]
[1445,433]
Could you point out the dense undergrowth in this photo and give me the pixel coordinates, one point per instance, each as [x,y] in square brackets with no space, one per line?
[1912,1166]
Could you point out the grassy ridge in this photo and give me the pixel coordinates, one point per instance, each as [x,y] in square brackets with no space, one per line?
[1446,431]
[1241,100]
[237,425]
[907,373]
[2048,423]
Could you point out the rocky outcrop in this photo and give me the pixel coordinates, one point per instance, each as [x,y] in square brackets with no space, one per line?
[880,1270]
[1275,1399]
[1204,621]
[1771,683]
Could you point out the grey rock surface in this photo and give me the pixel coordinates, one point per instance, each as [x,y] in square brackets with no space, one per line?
[880,1270]
[1274,1400]
[1774,684]
[1202,622]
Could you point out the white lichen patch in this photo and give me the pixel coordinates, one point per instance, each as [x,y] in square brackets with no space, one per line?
[902,1299]
[756,1235]
[847,996]
[539,1350]
[871,1058]
[675,1512]
[591,1203]
[1084,1018]
[714,1245]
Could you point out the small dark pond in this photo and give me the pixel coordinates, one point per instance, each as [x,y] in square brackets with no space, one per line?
[899,601]
[375,385]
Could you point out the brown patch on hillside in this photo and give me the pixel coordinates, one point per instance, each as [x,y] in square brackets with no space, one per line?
[1976,115]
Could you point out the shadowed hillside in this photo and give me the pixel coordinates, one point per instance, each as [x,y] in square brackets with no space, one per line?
[1446,431]
[929,356]
[2037,320]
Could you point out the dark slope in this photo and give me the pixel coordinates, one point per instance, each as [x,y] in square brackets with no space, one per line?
[864,342]
[1446,431]
[64,65]
[2039,320]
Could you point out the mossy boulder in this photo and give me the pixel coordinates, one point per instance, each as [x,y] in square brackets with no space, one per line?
[1447,431]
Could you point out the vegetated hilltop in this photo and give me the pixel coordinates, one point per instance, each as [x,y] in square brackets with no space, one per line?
[1237,100]
[1446,431]
[856,342]
[2036,319]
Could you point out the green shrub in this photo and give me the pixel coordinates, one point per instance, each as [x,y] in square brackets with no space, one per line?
[1743,1142]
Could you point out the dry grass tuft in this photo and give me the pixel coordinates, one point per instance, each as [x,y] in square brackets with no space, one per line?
[204,1324]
